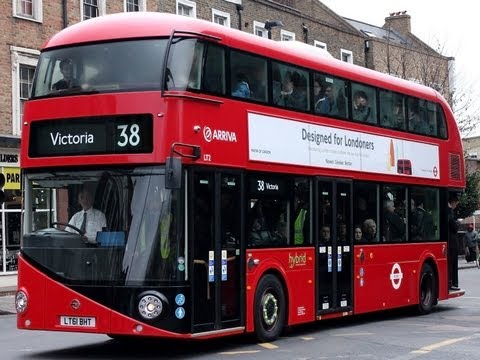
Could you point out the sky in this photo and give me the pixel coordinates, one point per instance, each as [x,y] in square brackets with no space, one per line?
[446,24]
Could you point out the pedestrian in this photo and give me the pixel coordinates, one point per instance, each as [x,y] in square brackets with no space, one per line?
[470,242]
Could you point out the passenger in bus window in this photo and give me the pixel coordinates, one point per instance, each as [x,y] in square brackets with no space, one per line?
[328,105]
[342,232]
[398,116]
[241,87]
[341,103]
[276,83]
[415,122]
[318,95]
[394,226]
[259,235]
[258,86]
[68,81]
[370,230]
[325,234]
[357,233]
[422,226]
[88,220]
[361,108]
[361,209]
[291,95]
[281,232]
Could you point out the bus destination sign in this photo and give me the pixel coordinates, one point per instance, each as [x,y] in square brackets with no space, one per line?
[92,135]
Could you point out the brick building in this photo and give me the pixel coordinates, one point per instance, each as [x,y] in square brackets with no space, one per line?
[26,24]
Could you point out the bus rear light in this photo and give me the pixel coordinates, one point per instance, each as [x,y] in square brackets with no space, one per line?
[21,302]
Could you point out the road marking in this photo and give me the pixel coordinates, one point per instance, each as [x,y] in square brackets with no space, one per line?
[268,346]
[429,348]
[239,352]
[307,338]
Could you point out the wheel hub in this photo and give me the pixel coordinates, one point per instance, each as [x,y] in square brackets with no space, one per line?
[269,309]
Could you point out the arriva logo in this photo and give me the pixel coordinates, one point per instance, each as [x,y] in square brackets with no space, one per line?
[220,135]
[297,260]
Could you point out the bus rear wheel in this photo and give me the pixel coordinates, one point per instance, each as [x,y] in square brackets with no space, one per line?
[269,308]
[428,290]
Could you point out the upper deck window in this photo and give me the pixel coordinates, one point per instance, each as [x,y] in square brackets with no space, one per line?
[330,96]
[106,67]
[290,86]
[248,76]
[28,9]
[195,65]
[392,110]
[364,103]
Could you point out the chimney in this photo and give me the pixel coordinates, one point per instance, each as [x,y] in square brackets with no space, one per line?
[398,21]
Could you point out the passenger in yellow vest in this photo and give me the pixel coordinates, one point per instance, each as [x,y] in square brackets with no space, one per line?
[301,219]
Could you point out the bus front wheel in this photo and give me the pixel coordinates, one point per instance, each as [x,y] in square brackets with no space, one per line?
[428,289]
[269,308]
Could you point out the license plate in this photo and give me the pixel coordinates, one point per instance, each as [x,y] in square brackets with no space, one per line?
[77,321]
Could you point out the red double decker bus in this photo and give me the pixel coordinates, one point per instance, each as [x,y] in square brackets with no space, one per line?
[228,184]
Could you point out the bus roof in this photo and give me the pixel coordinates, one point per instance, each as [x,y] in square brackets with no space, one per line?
[134,25]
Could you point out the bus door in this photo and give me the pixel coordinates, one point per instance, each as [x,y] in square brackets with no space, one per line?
[215,231]
[334,239]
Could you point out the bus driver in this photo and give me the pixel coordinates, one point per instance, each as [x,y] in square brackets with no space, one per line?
[88,220]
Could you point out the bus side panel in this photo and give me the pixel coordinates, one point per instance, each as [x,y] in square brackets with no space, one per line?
[33,283]
[296,268]
[442,265]
[387,276]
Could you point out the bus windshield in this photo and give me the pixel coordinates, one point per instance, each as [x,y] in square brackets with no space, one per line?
[106,225]
[120,66]
[112,66]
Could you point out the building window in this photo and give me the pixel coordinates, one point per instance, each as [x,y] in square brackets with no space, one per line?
[346,55]
[220,17]
[287,35]
[24,62]
[25,83]
[259,29]
[187,8]
[320,44]
[28,9]
[92,8]
[135,5]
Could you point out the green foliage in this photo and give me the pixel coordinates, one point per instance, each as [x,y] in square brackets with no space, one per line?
[469,199]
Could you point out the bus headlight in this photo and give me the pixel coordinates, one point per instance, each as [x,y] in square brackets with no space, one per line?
[21,302]
[151,305]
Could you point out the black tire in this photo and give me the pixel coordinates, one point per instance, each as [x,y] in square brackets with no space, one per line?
[427,290]
[269,309]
